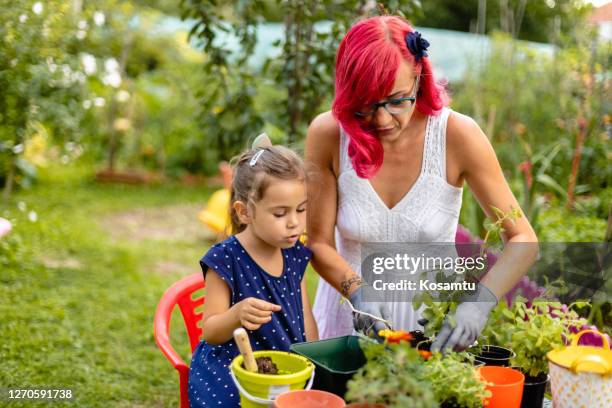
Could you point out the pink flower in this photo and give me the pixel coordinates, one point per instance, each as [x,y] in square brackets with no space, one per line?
[463,236]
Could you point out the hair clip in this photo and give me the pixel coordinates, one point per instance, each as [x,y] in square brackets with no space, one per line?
[262,140]
[417,45]
[256,157]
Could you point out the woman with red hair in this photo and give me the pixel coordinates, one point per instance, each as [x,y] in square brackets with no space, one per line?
[392,160]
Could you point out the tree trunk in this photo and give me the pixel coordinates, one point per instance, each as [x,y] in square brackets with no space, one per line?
[113,143]
[608,237]
[294,92]
[482,17]
[519,18]
[10,178]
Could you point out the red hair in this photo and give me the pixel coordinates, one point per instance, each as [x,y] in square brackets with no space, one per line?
[367,62]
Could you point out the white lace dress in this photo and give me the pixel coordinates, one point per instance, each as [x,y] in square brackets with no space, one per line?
[429,212]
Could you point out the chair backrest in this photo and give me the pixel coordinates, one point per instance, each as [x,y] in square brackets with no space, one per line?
[181,294]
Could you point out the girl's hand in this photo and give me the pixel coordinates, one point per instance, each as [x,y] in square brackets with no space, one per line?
[253,313]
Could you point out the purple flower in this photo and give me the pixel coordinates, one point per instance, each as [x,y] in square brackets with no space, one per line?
[592,339]
[588,339]
[464,243]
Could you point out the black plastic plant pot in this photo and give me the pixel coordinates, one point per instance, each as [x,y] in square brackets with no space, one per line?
[424,345]
[451,404]
[418,337]
[533,391]
[494,355]
[478,363]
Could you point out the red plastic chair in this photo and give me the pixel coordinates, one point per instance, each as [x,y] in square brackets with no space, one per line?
[180,293]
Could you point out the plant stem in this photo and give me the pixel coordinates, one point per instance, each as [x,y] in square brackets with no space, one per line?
[575,162]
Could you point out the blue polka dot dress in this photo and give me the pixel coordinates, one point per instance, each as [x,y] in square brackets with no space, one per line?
[210,384]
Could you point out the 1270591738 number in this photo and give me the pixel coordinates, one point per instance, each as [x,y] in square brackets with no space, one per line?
[37,394]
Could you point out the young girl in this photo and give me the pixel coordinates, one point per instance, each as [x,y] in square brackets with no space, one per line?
[254,279]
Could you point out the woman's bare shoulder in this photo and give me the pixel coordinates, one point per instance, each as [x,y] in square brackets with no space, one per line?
[463,134]
[324,129]
[468,146]
[460,126]
[323,138]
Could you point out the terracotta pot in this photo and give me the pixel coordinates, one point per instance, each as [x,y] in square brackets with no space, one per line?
[308,399]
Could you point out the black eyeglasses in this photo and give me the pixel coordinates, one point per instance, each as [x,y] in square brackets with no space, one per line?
[395,106]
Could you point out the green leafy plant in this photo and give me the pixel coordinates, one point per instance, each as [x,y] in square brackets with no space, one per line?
[393,375]
[397,375]
[532,330]
[498,332]
[537,330]
[495,228]
[435,313]
[454,380]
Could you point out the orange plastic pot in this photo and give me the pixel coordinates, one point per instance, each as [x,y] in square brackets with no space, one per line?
[505,384]
[308,399]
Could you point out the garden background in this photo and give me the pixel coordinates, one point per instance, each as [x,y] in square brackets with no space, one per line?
[114,116]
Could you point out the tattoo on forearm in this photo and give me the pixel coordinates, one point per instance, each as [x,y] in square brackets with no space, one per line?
[345,285]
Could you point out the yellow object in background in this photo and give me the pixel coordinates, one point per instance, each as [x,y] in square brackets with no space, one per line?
[577,358]
[216,213]
[581,376]
[37,146]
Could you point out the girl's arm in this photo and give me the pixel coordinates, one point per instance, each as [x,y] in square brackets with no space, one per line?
[219,320]
[312,332]
[322,145]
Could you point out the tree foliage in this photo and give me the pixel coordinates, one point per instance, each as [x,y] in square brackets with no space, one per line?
[40,80]
[302,72]
[543,112]
[541,20]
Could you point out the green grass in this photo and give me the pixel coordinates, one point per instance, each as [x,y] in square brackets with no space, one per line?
[78,289]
